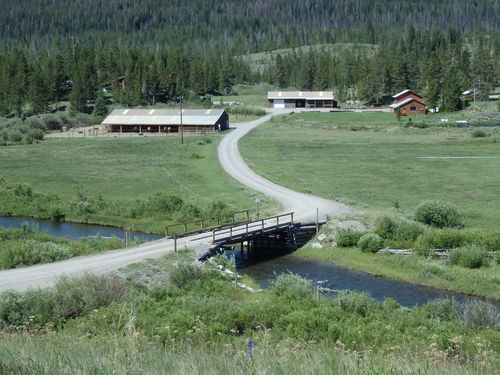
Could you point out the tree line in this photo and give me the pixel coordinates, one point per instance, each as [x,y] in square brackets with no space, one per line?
[244,26]
[438,63]
[137,77]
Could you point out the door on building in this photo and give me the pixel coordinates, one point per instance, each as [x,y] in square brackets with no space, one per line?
[279,103]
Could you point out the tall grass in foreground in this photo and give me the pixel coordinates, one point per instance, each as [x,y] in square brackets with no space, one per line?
[132,354]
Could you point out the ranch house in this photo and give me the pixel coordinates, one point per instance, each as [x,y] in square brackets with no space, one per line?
[409,106]
[166,120]
[301,99]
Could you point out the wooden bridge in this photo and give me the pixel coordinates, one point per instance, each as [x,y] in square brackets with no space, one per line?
[268,236]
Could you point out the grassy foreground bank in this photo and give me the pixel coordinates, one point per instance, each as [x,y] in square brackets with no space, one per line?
[192,319]
[143,181]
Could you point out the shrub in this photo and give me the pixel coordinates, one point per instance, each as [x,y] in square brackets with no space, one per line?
[447,238]
[184,273]
[489,239]
[53,122]
[347,237]
[292,286]
[470,256]
[69,298]
[75,296]
[394,228]
[360,303]
[370,242]
[162,203]
[438,214]
[480,314]
[442,309]
[478,133]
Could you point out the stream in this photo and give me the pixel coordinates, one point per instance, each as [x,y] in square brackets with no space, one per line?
[321,273]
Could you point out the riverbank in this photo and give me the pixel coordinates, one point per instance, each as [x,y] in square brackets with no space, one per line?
[415,269]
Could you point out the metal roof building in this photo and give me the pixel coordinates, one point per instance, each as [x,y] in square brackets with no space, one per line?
[166,120]
[301,99]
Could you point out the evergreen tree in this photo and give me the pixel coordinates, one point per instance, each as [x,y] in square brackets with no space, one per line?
[433,75]
[452,90]
[39,92]
[100,108]
[281,73]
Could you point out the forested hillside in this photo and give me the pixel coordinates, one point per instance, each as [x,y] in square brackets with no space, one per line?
[151,51]
[243,25]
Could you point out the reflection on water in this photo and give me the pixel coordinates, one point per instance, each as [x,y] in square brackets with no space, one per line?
[331,276]
[72,231]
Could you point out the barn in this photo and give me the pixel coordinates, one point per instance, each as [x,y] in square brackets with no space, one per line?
[166,120]
[409,106]
[405,94]
[301,99]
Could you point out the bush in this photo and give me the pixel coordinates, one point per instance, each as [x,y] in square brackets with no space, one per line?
[439,214]
[34,252]
[370,242]
[184,273]
[398,229]
[447,238]
[470,256]
[69,298]
[292,286]
[76,296]
[442,309]
[360,303]
[347,237]
[478,133]
[480,314]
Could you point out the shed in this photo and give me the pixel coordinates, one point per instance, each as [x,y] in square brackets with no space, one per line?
[166,120]
[301,99]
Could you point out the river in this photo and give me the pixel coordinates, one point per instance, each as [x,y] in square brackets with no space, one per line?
[321,273]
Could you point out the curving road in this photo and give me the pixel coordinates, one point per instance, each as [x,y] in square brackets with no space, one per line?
[303,205]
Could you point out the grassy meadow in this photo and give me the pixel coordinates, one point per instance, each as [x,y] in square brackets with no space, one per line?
[380,167]
[120,181]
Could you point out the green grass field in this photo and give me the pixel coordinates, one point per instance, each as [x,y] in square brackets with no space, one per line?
[380,167]
[125,170]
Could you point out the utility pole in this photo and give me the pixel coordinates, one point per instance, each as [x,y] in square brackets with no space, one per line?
[182,127]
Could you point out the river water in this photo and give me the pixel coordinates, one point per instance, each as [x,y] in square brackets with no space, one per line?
[72,231]
[321,273]
[329,275]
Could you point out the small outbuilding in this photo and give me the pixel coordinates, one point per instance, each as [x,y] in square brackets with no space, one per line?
[166,120]
[409,106]
[406,94]
[301,99]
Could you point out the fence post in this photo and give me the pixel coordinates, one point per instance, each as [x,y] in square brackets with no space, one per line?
[126,237]
[230,233]
[317,220]
[213,237]
[262,224]
[175,243]
[291,214]
[277,222]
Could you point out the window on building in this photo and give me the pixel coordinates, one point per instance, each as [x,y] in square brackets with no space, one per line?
[413,108]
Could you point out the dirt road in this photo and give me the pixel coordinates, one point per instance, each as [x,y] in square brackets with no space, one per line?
[303,205]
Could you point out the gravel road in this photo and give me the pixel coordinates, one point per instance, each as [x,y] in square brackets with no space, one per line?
[303,205]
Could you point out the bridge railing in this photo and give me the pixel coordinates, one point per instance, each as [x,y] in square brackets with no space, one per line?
[201,224]
[261,225]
